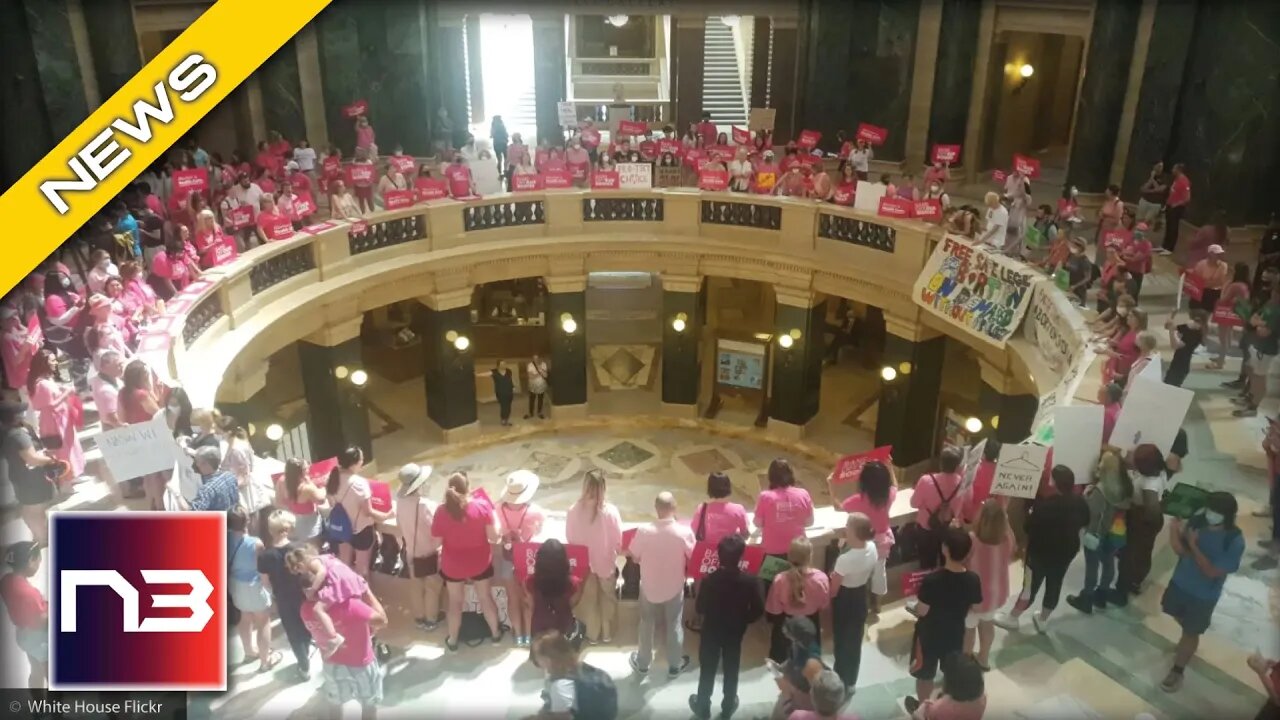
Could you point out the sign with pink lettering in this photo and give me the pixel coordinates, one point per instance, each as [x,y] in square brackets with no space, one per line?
[397,199]
[896,207]
[873,134]
[524,558]
[706,560]
[604,180]
[946,153]
[188,181]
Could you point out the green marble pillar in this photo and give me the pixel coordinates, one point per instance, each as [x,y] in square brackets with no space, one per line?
[1014,414]
[548,74]
[907,414]
[282,93]
[59,69]
[680,369]
[25,134]
[1101,100]
[113,42]
[953,73]
[568,361]
[449,372]
[797,370]
[339,42]
[687,65]
[338,415]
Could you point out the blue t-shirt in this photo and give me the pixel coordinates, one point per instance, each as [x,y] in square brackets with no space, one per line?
[130,225]
[1220,548]
[243,558]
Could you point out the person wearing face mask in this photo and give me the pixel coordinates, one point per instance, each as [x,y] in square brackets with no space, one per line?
[935,191]
[102,270]
[579,161]
[1209,548]
[176,266]
[458,175]
[1079,269]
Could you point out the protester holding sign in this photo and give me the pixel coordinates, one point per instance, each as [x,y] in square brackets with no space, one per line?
[360,174]
[860,158]
[877,489]
[730,600]
[594,522]
[662,550]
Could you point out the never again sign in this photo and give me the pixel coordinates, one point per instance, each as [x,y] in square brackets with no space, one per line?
[136,450]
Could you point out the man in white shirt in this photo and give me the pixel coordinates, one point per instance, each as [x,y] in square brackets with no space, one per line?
[993,236]
[662,550]
[105,386]
[537,376]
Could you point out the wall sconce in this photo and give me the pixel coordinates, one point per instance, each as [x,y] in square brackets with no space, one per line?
[459,342]
[275,432]
[1025,71]
[904,368]
[341,372]
[253,430]
[786,341]
[680,322]
[888,374]
[973,425]
[995,422]
[359,378]
[568,324]
[618,21]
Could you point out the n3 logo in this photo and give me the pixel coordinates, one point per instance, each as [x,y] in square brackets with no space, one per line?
[197,601]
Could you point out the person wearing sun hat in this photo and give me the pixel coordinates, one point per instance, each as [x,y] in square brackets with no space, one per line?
[27,607]
[519,520]
[414,512]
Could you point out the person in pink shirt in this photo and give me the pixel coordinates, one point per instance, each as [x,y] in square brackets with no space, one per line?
[990,557]
[801,591]
[1136,255]
[361,175]
[938,503]
[273,225]
[519,521]
[458,176]
[939,172]
[877,489]
[19,343]
[414,513]
[467,530]
[718,517]
[266,160]
[103,269]
[783,511]
[1123,351]
[578,160]
[594,522]
[662,549]
[57,405]
[983,476]
[1110,396]
[64,314]
[365,137]
[138,296]
[1175,206]
[962,697]
[176,265]
[707,130]
[104,332]
[214,246]
[352,671]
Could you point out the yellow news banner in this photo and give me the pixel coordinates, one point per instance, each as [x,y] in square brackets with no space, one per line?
[139,123]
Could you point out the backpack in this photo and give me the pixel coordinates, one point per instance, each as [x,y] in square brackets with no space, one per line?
[941,517]
[339,528]
[595,694]
[474,629]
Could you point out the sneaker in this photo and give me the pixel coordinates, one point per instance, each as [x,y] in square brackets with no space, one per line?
[1040,623]
[699,710]
[634,661]
[1172,682]
[674,672]
[1008,622]
[426,625]
[300,675]
[1080,602]
[1100,601]
[1245,412]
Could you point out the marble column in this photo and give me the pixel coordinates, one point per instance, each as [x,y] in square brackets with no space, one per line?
[687,50]
[1101,100]
[680,368]
[548,73]
[567,300]
[1137,67]
[1007,410]
[61,84]
[928,40]
[760,70]
[311,86]
[280,84]
[395,67]
[447,55]
[1157,107]
[907,413]
[25,135]
[338,415]
[796,383]
[449,372]
[785,91]
[339,42]
[953,74]
[113,40]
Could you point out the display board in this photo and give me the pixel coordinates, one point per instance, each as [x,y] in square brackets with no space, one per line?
[740,364]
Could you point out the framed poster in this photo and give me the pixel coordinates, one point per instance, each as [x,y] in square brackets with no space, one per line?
[740,364]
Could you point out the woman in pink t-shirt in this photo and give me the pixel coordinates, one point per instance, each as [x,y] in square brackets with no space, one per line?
[177,265]
[938,504]
[962,697]
[54,401]
[990,557]
[718,517]
[347,488]
[783,511]
[519,520]
[467,530]
[983,476]
[801,591]
[138,297]
[19,344]
[365,137]
[64,314]
[877,489]
[595,523]
[104,333]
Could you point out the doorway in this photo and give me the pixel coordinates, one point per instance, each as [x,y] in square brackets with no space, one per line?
[506,75]
[1032,82]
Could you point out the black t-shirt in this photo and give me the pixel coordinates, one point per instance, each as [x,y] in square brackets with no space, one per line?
[949,596]
[30,485]
[1053,529]
[1191,339]
[285,586]
[1157,196]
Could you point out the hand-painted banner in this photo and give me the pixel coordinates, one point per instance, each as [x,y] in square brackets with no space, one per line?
[978,291]
[1055,326]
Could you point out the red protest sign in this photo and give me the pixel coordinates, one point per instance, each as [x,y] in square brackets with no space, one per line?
[1117,238]
[741,136]
[1192,286]
[188,181]
[895,207]
[873,134]
[524,557]
[431,188]
[360,173]
[241,216]
[627,537]
[998,175]
[303,206]
[911,582]
[713,179]
[669,146]
[332,164]
[380,495]
[809,139]
[604,180]
[705,559]
[557,179]
[526,182]
[316,471]
[946,153]
[1028,166]
[928,209]
[279,229]
[1226,316]
[356,109]
[402,163]
[396,199]
[632,127]
[849,467]
[359,227]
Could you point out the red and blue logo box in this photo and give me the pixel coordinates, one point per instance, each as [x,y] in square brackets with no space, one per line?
[138,601]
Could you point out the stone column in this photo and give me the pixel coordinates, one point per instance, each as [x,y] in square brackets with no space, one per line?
[449,372]
[796,381]
[1101,100]
[907,415]
[338,415]
[549,75]
[52,30]
[311,87]
[680,368]
[24,124]
[339,46]
[280,92]
[687,47]
[953,78]
[928,41]
[1124,134]
[785,91]
[1007,409]
[567,300]
[973,130]
[113,40]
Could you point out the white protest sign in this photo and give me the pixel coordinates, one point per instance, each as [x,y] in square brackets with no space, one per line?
[972,458]
[868,196]
[1151,369]
[484,173]
[136,450]
[567,113]
[1077,439]
[1018,470]
[635,176]
[1152,413]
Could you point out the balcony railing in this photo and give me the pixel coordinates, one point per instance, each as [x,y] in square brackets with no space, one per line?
[201,317]
[742,214]
[856,231]
[606,209]
[508,213]
[386,233]
[274,270]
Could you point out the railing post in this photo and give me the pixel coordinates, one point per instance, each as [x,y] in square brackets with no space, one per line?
[564,212]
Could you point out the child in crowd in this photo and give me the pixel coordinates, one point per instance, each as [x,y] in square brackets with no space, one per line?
[828,696]
[945,599]
[27,607]
[963,695]
[851,578]
[330,582]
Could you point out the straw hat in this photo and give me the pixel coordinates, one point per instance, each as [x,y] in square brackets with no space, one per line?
[412,478]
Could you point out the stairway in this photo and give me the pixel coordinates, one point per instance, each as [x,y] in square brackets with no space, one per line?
[722,91]
[524,117]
